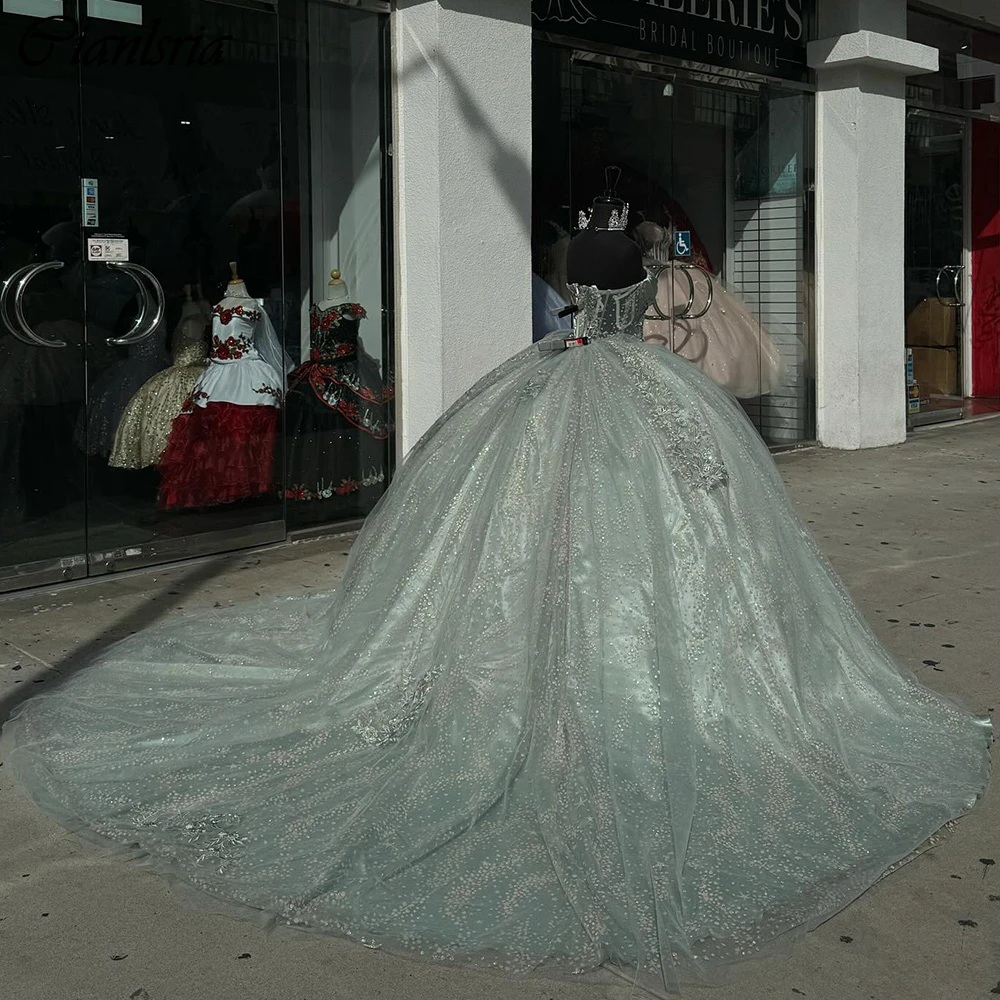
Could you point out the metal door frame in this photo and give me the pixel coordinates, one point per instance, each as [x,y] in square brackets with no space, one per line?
[926,418]
[95,563]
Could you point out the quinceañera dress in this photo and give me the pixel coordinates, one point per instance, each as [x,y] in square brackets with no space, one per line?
[336,416]
[587,699]
[221,446]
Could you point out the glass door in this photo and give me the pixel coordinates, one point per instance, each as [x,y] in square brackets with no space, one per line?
[141,165]
[42,339]
[180,134]
[935,274]
[715,175]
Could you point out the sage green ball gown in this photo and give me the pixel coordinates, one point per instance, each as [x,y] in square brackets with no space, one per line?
[588,697]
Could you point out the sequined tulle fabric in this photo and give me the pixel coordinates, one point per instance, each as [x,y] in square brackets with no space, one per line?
[588,696]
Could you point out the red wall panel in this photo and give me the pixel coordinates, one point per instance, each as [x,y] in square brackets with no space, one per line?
[985,259]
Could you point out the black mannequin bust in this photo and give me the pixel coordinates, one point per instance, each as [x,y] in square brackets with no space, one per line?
[603,257]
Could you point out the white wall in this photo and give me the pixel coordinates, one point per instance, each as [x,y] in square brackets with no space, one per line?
[462,154]
[860,188]
[860,378]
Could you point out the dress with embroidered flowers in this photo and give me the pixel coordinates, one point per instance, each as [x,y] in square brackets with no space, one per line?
[588,699]
[337,418]
[222,445]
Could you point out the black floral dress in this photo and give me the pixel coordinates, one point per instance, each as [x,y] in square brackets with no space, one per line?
[337,413]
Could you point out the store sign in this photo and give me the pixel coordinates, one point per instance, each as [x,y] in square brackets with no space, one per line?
[759,36]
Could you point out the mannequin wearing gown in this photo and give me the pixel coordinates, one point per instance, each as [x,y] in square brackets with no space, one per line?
[222,445]
[145,426]
[579,643]
[335,412]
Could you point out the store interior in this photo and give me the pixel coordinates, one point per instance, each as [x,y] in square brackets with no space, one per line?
[720,164]
[194,345]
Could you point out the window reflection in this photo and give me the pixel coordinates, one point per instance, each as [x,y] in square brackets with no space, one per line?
[714,177]
[338,410]
[968,77]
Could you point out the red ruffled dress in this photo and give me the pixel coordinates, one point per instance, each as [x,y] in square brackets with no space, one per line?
[222,445]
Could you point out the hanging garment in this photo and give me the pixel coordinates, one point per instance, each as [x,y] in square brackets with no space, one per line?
[588,699]
[221,447]
[727,343]
[145,426]
[336,417]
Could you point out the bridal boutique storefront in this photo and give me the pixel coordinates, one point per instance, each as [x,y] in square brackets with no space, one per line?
[251,251]
[704,126]
[196,322]
[818,182]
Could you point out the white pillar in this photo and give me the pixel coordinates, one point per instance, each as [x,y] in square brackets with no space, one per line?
[860,185]
[462,156]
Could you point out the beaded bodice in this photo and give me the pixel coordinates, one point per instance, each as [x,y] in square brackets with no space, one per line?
[333,333]
[606,312]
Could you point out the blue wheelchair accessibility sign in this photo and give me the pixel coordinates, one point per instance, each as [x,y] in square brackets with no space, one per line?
[682,243]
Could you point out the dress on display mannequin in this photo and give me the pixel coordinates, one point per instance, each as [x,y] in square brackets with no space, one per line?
[222,446]
[335,412]
[602,252]
[580,643]
[145,426]
[728,344]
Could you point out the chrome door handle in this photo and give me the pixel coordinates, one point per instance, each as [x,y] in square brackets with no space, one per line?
[957,270]
[710,298]
[8,283]
[954,270]
[659,314]
[23,278]
[137,333]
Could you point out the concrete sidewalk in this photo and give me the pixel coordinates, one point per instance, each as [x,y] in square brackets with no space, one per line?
[914,531]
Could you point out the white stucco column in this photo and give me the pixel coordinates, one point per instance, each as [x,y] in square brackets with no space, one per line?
[462,158]
[860,182]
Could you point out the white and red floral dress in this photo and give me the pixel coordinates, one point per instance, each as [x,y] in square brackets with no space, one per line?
[222,446]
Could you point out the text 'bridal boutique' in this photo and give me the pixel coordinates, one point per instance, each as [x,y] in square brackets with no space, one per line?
[588,699]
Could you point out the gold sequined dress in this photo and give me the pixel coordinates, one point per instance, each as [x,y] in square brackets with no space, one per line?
[145,426]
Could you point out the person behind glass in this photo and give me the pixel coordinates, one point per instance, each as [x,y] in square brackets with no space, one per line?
[549,295]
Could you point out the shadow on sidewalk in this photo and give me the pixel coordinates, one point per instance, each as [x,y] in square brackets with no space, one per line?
[148,613]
